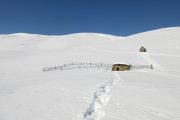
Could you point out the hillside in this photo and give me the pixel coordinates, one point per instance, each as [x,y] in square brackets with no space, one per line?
[86,92]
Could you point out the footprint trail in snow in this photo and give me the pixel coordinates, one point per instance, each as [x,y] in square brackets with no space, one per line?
[100,99]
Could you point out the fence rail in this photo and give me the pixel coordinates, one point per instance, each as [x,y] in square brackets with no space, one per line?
[70,66]
[81,65]
[142,66]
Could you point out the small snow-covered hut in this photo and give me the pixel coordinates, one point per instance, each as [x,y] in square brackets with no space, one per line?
[120,67]
[142,49]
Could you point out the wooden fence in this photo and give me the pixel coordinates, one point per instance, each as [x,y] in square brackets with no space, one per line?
[70,66]
[141,67]
[81,65]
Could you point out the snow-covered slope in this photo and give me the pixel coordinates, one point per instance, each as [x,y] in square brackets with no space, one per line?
[84,91]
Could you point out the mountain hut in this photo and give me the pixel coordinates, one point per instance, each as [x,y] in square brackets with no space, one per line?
[142,49]
[120,67]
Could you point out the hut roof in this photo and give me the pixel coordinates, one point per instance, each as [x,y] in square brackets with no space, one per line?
[142,47]
[121,63]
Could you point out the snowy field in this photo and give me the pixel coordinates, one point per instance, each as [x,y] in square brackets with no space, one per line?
[85,88]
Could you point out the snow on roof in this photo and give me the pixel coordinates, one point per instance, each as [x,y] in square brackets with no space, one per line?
[121,63]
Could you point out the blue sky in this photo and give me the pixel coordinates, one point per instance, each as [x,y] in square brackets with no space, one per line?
[117,17]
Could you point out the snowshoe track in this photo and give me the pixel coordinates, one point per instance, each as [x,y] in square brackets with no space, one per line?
[144,58]
[100,99]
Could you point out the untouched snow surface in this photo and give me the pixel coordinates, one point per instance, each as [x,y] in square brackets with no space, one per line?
[88,89]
